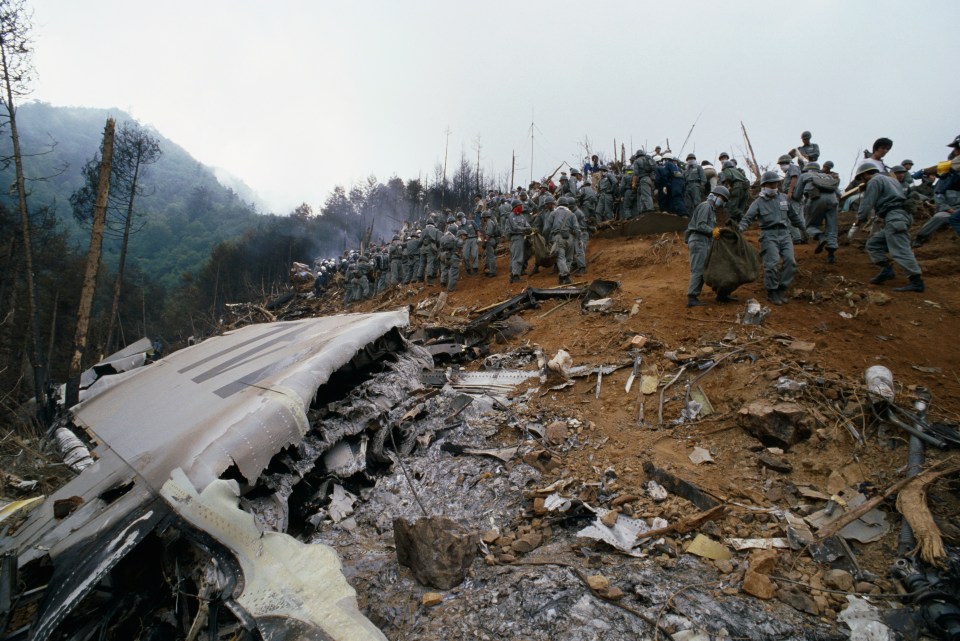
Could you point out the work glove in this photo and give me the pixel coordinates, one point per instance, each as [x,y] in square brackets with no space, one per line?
[716,233]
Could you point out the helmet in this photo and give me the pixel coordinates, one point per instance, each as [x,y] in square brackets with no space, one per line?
[691,156]
[907,162]
[547,199]
[516,202]
[562,178]
[806,134]
[954,143]
[640,152]
[723,154]
[770,177]
[784,159]
[462,231]
[485,213]
[812,166]
[576,172]
[460,214]
[667,155]
[451,220]
[722,191]
[827,166]
[657,158]
[866,168]
[728,164]
[898,169]
[566,201]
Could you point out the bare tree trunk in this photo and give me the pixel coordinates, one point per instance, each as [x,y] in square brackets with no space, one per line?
[115,306]
[93,253]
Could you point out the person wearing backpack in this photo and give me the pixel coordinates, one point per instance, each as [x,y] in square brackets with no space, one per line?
[821,208]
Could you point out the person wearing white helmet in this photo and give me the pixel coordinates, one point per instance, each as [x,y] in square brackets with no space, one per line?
[774,216]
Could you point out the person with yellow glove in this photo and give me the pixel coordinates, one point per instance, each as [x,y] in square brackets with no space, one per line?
[701,231]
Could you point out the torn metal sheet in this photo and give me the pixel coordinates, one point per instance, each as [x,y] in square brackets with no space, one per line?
[499,380]
[759,544]
[287,586]
[130,357]
[624,532]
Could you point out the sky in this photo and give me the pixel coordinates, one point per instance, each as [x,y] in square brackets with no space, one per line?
[295,97]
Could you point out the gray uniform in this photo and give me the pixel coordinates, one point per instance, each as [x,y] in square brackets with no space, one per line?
[644,169]
[607,188]
[793,197]
[562,227]
[396,262]
[580,262]
[471,252]
[884,195]
[699,236]
[811,151]
[821,208]
[628,208]
[514,228]
[774,216]
[365,270]
[695,178]
[449,261]
[491,233]
[430,250]
[588,200]
[412,270]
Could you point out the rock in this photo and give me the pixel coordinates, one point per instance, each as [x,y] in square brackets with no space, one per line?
[430,599]
[490,536]
[867,588]
[763,561]
[775,463]
[527,543]
[838,580]
[877,298]
[724,566]
[541,460]
[597,582]
[556,433]
[779,424]
[610,518]
[539,505]
[656,491]
[803,347]
[612,593]
[758,585]
[798,601]
[507,558]
[437,550]
[624,498]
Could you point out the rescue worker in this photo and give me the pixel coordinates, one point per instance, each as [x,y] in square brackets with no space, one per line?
[471,253]
[882,194]
[489,235]
[607,188]
[737,184]
[675,186]
[580,247]
[695,178]
[396,260]
[411,257]
[821,208]
[430,250]
[563,230]
[644,169]
[516,229]
[628,195]
[448,249]
[774,215]
[700,233]
[791,187]
[809,152]
[587,198]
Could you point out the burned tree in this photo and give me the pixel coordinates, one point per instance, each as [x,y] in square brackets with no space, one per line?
[16,69]
[134,149]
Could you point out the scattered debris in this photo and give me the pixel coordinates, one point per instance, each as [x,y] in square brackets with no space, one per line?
[700,455]
[706,547]
[437,550]
[753,313]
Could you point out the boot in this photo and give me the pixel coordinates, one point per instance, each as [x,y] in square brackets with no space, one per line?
[693,301]
[886,273]
[915,285]
[727,298]
[831,258]
[821,243]
[784,297]
[774,297]
[514,279]
[564,280]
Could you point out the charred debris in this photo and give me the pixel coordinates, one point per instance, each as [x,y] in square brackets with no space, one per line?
[342,477]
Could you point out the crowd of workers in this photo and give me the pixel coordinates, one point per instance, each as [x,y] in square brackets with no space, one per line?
[554,219]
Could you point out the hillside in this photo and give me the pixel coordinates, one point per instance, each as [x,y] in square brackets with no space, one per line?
[187,209]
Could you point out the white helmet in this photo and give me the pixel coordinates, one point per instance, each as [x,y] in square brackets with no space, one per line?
[667,156]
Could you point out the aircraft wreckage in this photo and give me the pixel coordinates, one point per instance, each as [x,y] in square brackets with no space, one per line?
[149,540]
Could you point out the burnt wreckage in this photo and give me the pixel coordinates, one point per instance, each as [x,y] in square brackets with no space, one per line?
[150,541]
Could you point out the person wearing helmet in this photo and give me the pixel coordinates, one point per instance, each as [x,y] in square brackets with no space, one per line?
[808,151]
[792,188]
[607,188]
[489,235]
[580,242]
[821,207]
[675,186]
[470,249]
[774,216]
[448,247]
[945,193]
[699,236]
[562,228]
[907,181]
[738,185]
[644,171]
[430,251]
[696,179]
[882,195]
[516,227]
[395,253]
[411,256]
[628,195]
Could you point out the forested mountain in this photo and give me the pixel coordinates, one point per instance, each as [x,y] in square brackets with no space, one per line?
[184,209]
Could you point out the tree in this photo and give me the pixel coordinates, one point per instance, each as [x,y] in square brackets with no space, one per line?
[134,148]
[16,68]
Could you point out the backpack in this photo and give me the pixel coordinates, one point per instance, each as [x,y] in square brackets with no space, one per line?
[825,182]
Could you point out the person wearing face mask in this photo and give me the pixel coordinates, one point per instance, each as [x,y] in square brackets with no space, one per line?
[884,195]
[774,215]
[792,187]
[700,233]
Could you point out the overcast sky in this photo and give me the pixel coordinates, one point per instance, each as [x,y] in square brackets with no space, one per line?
[295,97]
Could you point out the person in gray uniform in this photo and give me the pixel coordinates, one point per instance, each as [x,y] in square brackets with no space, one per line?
[471,252]
[430,250]
[587,197]
[699,237]
[411,256]
[883,195]
[695,179]
[774,215]
[396,261]
[448,248]
[809,152]
[562,228]
[791,188]
[644,169]
[821,208]
[580,246]
[607,188]
[364,269]
[489,235]
[628,194]
[734,180]
[516,228]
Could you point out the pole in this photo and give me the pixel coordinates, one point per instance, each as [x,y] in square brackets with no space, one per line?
[753,156]
[513,166]
[687,139]
[443,187]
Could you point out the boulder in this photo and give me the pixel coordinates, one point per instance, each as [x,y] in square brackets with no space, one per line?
[437,550]
[777,424]
[758,585]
